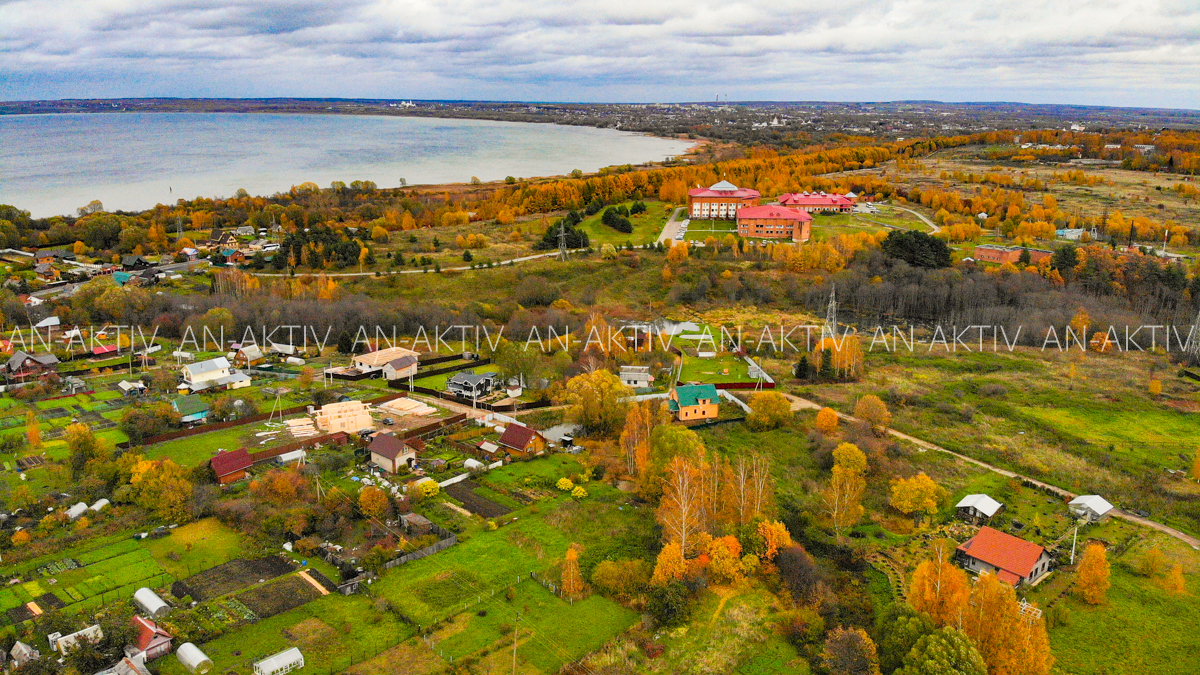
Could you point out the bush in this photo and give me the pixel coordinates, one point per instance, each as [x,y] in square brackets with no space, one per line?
[613,218]
[670,605]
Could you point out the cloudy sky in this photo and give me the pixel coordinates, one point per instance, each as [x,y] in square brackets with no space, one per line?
[1114,52]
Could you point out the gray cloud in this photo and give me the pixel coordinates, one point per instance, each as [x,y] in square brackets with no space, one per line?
[1119,52]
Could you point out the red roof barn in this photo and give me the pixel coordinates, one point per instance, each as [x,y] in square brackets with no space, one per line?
[1010,558]
[151,640]
[230,467]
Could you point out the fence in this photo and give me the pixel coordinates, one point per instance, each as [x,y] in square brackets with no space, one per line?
[453,369]
[339,438]
[447,396]
[430,429]
[351,576]
[438,359]
[248,419]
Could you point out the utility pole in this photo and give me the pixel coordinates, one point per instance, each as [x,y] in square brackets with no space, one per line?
[831,312]
[562,242]
[515,646]
[1074,538]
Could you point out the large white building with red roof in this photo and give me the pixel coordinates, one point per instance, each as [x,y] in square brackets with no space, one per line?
[1012,559]
[773,222]
[817,202]
[720,201]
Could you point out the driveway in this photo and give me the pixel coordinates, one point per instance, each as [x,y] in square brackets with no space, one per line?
[671,228]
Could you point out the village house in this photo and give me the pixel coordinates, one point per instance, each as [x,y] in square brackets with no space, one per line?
[346,416]
[152,641]
[47,272]
[774,222]
[636,377]
[693,402]
[817,202]
[191,409]
[134,388]
[372,362]
[22,653]
[21,366]
[249,356]
[471,385]
[1009,254]
[722,200]
[65,644]
[212,374]
[978,508]
[1092,508]
[522,440]
[1012,559]
[416,524]
[231,467]
[233,256]
[134,262]
[401,368]
[390,453]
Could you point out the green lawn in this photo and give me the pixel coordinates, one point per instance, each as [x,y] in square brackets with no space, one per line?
[561,632]
[1141,629]
[646,226]
[712,370]
[198,546]
[438,382]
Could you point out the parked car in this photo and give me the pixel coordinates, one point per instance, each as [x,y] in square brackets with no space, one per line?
[389,421]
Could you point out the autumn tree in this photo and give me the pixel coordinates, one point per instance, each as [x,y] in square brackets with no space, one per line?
[678,253]
[725,560]
[670,565]
[596,401]
[768,410]
[33,432]
[945,652]
[1174,582]
[843,496]
[667,441]
[1093,574]
[775,536]
[83,446]
[305,378]
[850,651]
[918,494]
[623,578]
[1011,642]
[679,510]
[374,502]
[640,421]
[749,492]
[939,588]
[1152,563]
[827,421]
[572,582]
[873,411]
[162,486]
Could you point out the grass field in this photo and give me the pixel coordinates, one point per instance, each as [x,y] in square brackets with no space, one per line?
[646,226]
[712,370]
[438,382]
[196,546]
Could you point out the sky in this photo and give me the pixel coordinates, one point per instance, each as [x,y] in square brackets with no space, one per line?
[1139,53]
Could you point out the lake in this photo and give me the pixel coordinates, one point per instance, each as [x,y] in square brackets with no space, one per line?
[53,164]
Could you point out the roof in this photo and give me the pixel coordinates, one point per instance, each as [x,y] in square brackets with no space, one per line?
[771,211]
[1095,503]
[387,445]
[280,660]
[488,447]
[104,349]
[377,359]
[467,377]
[226,463]
[692,394]
[1003,551]
[517,436]
[126,385]
[148,632]
[403,362]
[251,352]
[415,519]
[190,405]
[813,199]
[723,189]
[981,503]
[18,359]
[203,367]
[47,322]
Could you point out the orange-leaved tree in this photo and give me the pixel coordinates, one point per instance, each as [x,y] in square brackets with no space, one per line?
[1093,574]
[872,410]
[827,421]
[939,588]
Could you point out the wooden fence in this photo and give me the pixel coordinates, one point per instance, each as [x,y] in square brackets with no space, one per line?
[339,438]
[433,428]
[452,369]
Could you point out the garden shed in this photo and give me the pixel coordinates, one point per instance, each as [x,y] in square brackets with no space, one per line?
[283,662]
[193,659]
[150,603]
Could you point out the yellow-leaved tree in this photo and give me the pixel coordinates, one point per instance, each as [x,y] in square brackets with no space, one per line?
[827,421]
[872,410]
[1093,574]
[843,496]
[916,495]
[940,588]
[597,401]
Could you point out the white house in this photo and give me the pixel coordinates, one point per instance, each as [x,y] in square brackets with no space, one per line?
[283,662]
[401,368]
[636,377]
[213,374]
[978,507]
[1090,507]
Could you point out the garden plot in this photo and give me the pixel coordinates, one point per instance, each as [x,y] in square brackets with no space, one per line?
[465,493]
[277,597]
[231,576]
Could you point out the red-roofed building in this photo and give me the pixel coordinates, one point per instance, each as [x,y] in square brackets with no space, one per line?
[1011,559]
[152,641]
[231,467]
[103,350]
[814,202]
[774,222]
[520,439]
[723,200]
[390,453]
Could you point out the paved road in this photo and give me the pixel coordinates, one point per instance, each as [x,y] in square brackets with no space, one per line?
[671,228]
[925,220]
[804,404]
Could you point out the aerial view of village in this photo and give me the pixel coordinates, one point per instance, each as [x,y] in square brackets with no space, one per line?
[752,385]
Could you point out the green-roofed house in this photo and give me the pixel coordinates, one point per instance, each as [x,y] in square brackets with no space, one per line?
[191,409]
[693,402]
